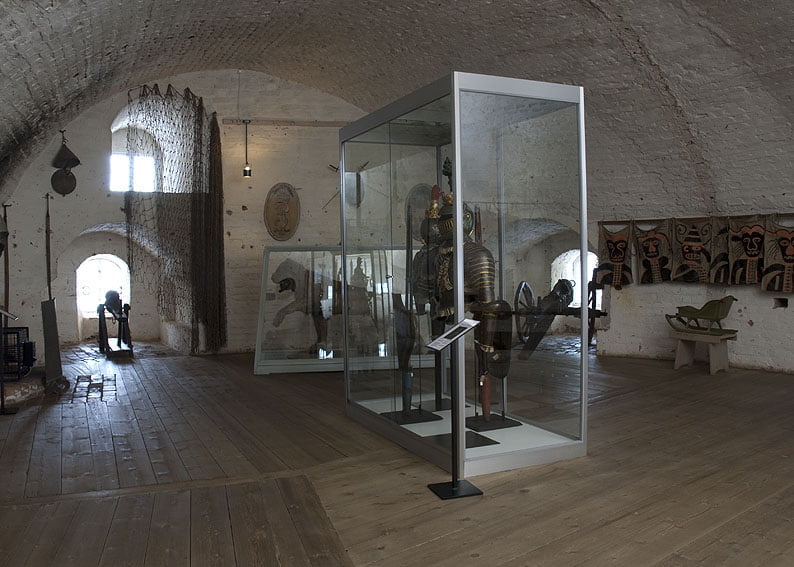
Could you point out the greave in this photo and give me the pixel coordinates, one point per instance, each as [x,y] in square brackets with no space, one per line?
[408,385]
[485,396]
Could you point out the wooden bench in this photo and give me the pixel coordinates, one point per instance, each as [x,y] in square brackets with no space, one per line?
[718,349]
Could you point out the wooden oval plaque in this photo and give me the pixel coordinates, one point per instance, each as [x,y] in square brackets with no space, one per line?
[282,211]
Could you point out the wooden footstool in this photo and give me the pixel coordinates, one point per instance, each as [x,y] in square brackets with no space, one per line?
[718,349]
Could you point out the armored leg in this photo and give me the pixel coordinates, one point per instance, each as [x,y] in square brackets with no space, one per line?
[492,344]
[407,391]
[485,396]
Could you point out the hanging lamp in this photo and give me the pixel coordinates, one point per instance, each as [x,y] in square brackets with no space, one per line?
[247,167]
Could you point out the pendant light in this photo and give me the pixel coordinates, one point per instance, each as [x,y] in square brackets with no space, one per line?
[247,168]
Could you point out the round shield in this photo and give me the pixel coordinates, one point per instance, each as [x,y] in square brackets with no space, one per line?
[63,181]
[282,211]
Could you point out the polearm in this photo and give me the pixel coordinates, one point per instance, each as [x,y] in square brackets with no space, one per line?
[383,266]
[47,246]
[409,289]
[374,290]
[409,252]
[6,267]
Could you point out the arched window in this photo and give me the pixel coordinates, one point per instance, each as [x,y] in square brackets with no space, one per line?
[95,277]
[134,170]
[568,265]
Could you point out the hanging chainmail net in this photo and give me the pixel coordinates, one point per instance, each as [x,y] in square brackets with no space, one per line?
[175,233]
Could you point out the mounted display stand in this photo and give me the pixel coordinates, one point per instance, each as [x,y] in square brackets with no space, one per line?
[55,381]
[456,488]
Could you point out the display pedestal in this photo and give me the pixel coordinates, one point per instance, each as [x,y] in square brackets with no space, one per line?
[473,440]
[478,423]
[414,416]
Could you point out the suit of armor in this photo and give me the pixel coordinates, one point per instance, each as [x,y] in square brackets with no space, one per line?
[493,337]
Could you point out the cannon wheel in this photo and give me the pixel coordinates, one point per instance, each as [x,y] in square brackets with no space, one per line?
[524,305]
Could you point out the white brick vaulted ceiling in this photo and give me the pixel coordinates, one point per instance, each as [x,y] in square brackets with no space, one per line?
[695,93]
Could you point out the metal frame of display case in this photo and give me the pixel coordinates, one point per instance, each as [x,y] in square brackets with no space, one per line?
[454,85]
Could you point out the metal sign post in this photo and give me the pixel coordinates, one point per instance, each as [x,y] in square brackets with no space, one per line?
[456,488]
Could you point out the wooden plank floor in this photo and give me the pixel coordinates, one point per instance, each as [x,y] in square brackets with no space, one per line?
[195,461]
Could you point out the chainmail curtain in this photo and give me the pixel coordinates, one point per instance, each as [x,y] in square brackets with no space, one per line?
[175,233]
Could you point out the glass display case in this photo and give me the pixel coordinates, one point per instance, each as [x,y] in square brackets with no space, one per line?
[300,325]
[300,311]
[463,197]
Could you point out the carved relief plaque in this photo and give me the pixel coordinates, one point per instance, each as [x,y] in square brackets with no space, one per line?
[282,211]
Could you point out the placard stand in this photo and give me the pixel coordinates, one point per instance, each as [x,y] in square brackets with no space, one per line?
[3,409]
[456,488]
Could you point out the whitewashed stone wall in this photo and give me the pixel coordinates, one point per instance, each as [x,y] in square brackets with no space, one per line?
[294,154]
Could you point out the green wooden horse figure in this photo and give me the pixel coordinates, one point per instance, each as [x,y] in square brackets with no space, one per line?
[691,319]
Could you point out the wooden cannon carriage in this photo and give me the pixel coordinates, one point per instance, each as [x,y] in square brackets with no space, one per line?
[534,317]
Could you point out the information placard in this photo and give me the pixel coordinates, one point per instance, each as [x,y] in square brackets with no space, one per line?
[453,334]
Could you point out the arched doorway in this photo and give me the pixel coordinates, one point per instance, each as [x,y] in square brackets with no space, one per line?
[94,277]
[568,265]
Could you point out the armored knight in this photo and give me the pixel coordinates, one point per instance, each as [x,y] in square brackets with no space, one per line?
[493,337]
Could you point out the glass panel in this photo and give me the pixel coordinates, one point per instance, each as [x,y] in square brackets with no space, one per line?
[300,318]
[119,172]
[143,174]
[520,180]
[388,179]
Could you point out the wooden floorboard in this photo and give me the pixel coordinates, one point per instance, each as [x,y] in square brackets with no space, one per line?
[207,452]
[132,460]
[48,537]
[17,525]
[17,452]
[77,457]
[105,467]
[319,539]
[169,533]
[254,536]
[210,527]
[196,461]
[128,533]
[84,540]
[287,540]
[235,446]
[166,462]
[175,417]
[45,471]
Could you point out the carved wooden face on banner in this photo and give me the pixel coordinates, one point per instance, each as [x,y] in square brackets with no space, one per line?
[613,249]
[653,243]
[692,248]
[693,252]
[752,239]
[617,245]
[785,243]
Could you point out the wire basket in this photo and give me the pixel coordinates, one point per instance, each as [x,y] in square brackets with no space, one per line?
[19,353]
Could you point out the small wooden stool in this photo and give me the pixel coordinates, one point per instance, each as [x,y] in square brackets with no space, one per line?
[718,349]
